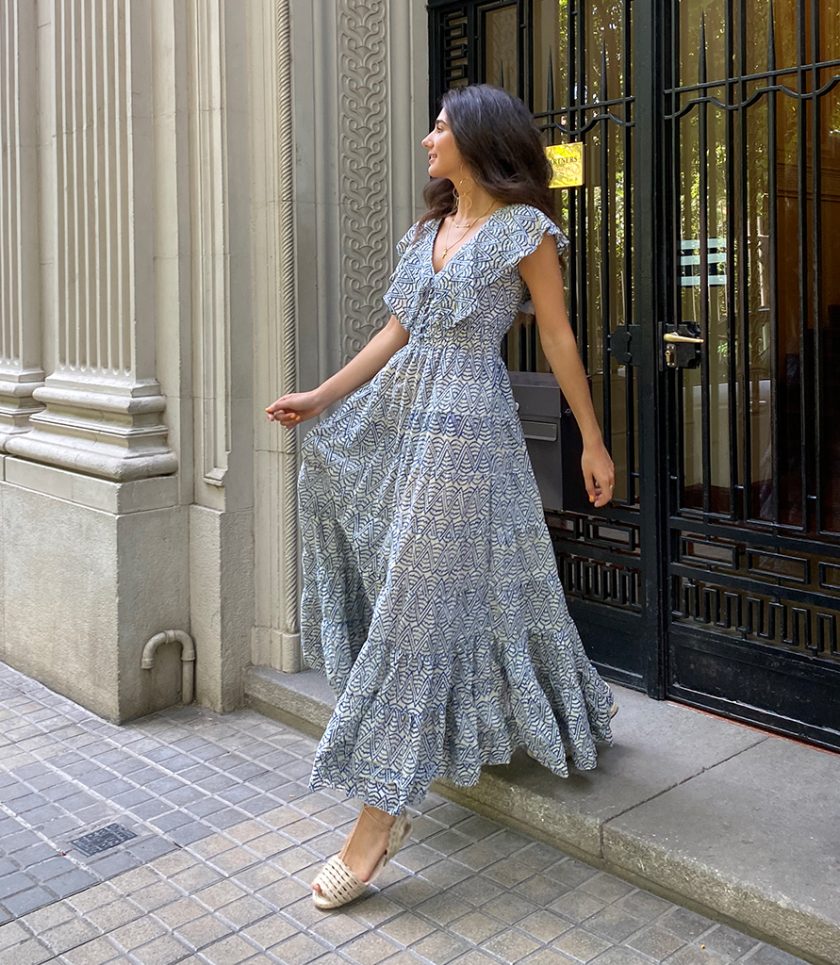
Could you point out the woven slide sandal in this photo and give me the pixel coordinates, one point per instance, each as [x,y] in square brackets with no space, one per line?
[339,885]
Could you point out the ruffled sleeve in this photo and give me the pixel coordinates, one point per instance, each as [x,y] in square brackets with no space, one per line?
[528,227]
[403,288]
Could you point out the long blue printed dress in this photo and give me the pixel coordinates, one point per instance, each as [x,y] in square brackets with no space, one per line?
[431,598]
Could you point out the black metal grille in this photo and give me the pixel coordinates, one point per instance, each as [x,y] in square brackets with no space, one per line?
[756,440]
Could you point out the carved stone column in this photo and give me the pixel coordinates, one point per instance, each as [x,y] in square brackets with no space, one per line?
[276,638]
[20,324]
[103,404]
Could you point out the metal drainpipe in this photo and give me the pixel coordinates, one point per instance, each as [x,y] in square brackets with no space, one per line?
[187,658]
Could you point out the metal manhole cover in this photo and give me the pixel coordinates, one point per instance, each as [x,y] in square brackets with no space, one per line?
[108,837]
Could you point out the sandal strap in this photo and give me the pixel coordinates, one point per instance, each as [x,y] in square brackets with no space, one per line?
[338,883]
[397,835]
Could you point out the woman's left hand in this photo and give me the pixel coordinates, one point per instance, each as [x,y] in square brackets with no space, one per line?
[598,474]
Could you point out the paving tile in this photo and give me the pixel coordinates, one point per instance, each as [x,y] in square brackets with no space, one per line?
[548,956]
[545,925]
[233,860]
[643,904]
[298,950]
[406,928]
[476,927]
[656,942]
[540,890]
[476,889]
[48,917]
[219,894]
[571,872]
[606,887]
[687,924]
[580,944]
[69,935]
[29,952]
[269,931]
[258,876]
[376,910]
[193,879]
[113,915]
[694,955]
[577,905]
[244,911]
[201,931]
[15,883]
[12,934]
[179,912]
[25,901]
[474,957]
[95,897]
[621,956]
[136,933]
[508,908]
[446,873]
[304,912]
[338,929]
[228,951]
[283,892]
[511,945]
[440,947]
[95,952]
[614,923]
[173,862]
[441,909]
[728,941]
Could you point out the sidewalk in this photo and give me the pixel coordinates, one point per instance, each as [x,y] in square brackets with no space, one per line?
[730,820]
[189,836]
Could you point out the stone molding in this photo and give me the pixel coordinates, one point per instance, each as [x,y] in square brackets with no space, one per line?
[211,252]
[102,404]
[276,638]
[21,369]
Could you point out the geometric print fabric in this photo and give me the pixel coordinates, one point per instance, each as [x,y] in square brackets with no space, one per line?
[431,598]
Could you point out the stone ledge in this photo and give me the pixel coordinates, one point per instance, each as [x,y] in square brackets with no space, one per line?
[723,818]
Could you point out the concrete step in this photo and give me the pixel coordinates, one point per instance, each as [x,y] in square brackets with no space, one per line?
[729,820]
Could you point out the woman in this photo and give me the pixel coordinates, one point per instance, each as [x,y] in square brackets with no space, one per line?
[431,597]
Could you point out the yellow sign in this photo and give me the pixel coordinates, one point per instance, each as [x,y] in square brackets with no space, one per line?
[566,165]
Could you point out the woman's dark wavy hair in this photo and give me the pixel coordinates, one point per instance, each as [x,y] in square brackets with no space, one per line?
[500,143]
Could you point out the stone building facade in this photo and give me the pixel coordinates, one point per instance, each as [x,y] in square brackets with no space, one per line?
[199,201]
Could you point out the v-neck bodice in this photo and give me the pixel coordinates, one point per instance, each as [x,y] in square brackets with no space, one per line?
[469,241]
[473,299]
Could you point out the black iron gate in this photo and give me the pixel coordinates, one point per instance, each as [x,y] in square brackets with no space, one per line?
[705,289]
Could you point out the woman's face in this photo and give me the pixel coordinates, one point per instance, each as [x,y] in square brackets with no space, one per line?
[445,159]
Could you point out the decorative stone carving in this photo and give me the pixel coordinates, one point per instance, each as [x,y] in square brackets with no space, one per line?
[364,179]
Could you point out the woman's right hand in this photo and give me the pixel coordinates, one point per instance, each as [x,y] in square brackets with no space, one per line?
[294,407]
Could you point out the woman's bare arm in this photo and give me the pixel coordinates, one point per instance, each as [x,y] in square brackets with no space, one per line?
[541,273]
[294,407]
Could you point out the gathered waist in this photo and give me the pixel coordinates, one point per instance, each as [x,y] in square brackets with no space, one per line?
[445,345]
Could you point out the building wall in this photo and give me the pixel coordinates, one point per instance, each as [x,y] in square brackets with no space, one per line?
[199,202]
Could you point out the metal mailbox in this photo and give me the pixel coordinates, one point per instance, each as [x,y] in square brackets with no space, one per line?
[553,440]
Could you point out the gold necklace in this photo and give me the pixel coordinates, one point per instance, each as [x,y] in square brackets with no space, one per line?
[469,225]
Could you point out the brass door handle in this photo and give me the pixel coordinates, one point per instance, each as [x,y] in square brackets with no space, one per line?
[676,337]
